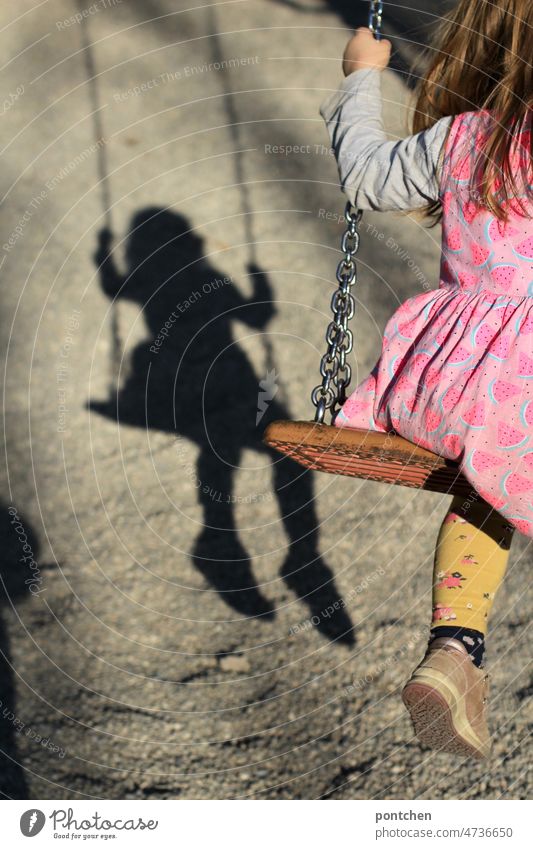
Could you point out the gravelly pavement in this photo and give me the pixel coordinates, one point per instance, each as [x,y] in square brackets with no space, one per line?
[135,665]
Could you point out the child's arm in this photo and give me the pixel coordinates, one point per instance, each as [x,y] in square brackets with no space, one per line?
[376,173]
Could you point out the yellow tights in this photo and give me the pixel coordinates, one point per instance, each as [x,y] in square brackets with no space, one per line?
[470,562]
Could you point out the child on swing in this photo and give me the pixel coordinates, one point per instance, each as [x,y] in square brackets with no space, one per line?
[455,373]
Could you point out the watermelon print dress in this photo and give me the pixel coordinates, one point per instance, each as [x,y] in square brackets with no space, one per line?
[455,373]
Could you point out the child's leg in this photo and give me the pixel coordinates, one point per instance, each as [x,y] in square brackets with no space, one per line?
[447,693]
[470,562]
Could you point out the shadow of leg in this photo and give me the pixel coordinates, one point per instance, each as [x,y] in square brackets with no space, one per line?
[304,571]
[218,553]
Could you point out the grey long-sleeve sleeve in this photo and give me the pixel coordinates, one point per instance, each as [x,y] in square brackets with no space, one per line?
[377,173]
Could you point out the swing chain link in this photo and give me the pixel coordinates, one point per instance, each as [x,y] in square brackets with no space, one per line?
[375,18]
[336,372]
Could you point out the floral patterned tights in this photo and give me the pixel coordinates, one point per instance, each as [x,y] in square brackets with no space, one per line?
[470,562]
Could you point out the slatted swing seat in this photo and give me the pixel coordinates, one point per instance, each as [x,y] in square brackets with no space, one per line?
[373,455]
[385,457]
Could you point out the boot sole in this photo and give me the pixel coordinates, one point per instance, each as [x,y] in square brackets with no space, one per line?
[437,725]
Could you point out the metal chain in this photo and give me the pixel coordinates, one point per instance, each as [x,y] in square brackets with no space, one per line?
[374,17]
[336,372]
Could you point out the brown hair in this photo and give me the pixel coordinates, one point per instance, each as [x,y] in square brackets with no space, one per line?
[480,62]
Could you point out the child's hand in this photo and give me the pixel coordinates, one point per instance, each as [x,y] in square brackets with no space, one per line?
[365,51]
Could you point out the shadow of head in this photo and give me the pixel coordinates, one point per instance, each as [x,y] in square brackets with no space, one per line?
[157,235]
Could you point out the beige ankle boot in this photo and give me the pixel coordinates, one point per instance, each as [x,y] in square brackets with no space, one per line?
[446,697]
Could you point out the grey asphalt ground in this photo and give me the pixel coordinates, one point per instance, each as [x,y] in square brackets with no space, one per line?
[168,634]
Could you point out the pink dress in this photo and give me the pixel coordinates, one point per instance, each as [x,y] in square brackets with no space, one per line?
[455,373]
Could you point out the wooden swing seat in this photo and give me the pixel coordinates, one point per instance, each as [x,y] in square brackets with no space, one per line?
[385,457]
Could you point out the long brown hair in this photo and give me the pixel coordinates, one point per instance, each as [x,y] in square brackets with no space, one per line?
[480,61]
